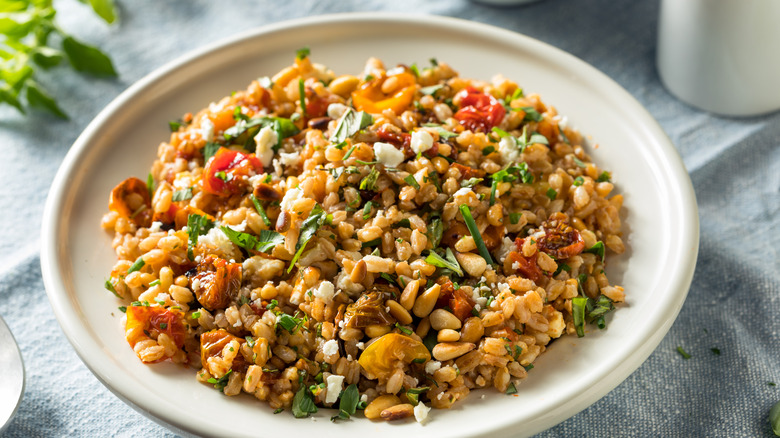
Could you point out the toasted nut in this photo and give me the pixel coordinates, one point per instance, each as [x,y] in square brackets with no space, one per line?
[283,222]
[448,335]
[397,412]
[473,264]
[472,330]
[398,312]
[409,294]
[423,327]
[379,404]
[343,85]
[425,302]
[451,350]
[442,319]
[358,273]
[465,244]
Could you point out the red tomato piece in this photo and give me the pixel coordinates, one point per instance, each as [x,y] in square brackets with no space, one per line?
[224,171]
[479,111]
[144,319]
[525,266]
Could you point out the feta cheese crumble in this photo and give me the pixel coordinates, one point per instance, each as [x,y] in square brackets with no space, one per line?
[387,154]
[432,366]
[289,198]
[334,383]
[330,348]
[266,139]
[508,149]
[325,291]
[421,412]
[207,129]
[421,141]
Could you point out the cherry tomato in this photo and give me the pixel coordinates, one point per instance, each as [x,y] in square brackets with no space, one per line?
[131,199]
[369,97]
[143,319]
[479,111]
[560,239]
[224,171]
[219,281]
[380,357]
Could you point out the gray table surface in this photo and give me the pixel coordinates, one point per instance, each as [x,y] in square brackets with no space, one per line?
[733,304]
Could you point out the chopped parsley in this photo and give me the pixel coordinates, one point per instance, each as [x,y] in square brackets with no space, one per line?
[682,352]
[351,122]
[221,383]
[110,287]
[369,182]
[403,223]
[316,219]
[197,225]
[289,323]
[367,210]
[302,53]
[123,309]
[552,194]
[598,249]
[604,177]
[265,242]
[412,182]
[182,195]
[349,399]
[578,181]
[195,315]
[448,261]
[514,218]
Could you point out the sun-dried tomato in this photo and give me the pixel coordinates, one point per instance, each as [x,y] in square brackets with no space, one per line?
[525,266]
[478,111]
[224,172]
[458,302]
[467,172]
[560,239]
[159,319]
[218,282]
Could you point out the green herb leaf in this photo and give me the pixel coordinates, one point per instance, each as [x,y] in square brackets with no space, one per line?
[511,389]
[472,226]
[289,323]
[182,195]
[139,263]
[265,242]
[302,96]
[435,231]
[122,309]
[413,394]
[39,98]
[110,287]
[403,223]
[86,58]
[598,249]
[195,315]
[552,194]
[715,351]
[369,182]
[348,402]
[371,243]
[302,53]
[260,210]
[197,225]
[309,227]
[351,122]
[578,181]
[403,329]
[578,305]
[450,262]
[367,210]
[471,182]
[774,418]
[303,403]
[514,218]
[209,150]
[531,115]
[578,162]
[604,177]
[105,9]
[412,182]
[244,131]
[682,352]
[431,90]
[221,383]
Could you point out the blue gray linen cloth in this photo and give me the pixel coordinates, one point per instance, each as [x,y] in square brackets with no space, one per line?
[733,304]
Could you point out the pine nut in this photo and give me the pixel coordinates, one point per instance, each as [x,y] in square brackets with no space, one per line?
[472,331]
[409,294]
[451,350]
[473,264]
[442,319]
[398,412]
[425,302]
[358,273]
[448,335]
[379,404]
[398,312]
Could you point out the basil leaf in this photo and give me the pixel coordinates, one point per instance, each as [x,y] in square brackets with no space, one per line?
[105,9]
[209,150]
[450,262]
[267,240]
[431,90]
[289,323]
[309,227]
[38,98]
[197,225]
[348,403]
[531,115]
[244,131]
[350,123]
[598,249]
[303,403]
[87,58]
[774,418]
[435,231]
[182,195]
[538,138]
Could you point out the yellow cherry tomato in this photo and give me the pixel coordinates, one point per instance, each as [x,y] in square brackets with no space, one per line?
[369,96]
[380,357]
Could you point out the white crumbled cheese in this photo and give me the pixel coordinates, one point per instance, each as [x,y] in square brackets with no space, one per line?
[207,129]
[289,159]
[421,412]
[508,149]
[388,154]
[196,284]
[256,179]
[477,307]
[289,198]
[277,167]
[334,388]
[432,366]
[156,227]
[336,110]
[502,286]
[266,139]
[360,346]
[563,121]
[349,357]
[330,348]
[364,398]
[507,245]
[516,266]
[325,291]
[421,141]
[216,238]
[463,191]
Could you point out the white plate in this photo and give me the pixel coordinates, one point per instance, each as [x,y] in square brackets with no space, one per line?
[661,221]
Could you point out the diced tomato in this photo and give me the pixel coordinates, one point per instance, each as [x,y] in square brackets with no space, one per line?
[224,171]
[525,266]
[459,303]
[218,282]
[131,199]
[212,343]
[479,111]
[467,172]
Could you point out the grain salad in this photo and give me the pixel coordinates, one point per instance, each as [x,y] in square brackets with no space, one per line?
[383,243]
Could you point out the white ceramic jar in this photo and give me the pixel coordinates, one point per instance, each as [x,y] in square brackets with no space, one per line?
[722,56]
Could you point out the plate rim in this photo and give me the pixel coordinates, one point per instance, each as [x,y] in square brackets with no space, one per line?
[79,336]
